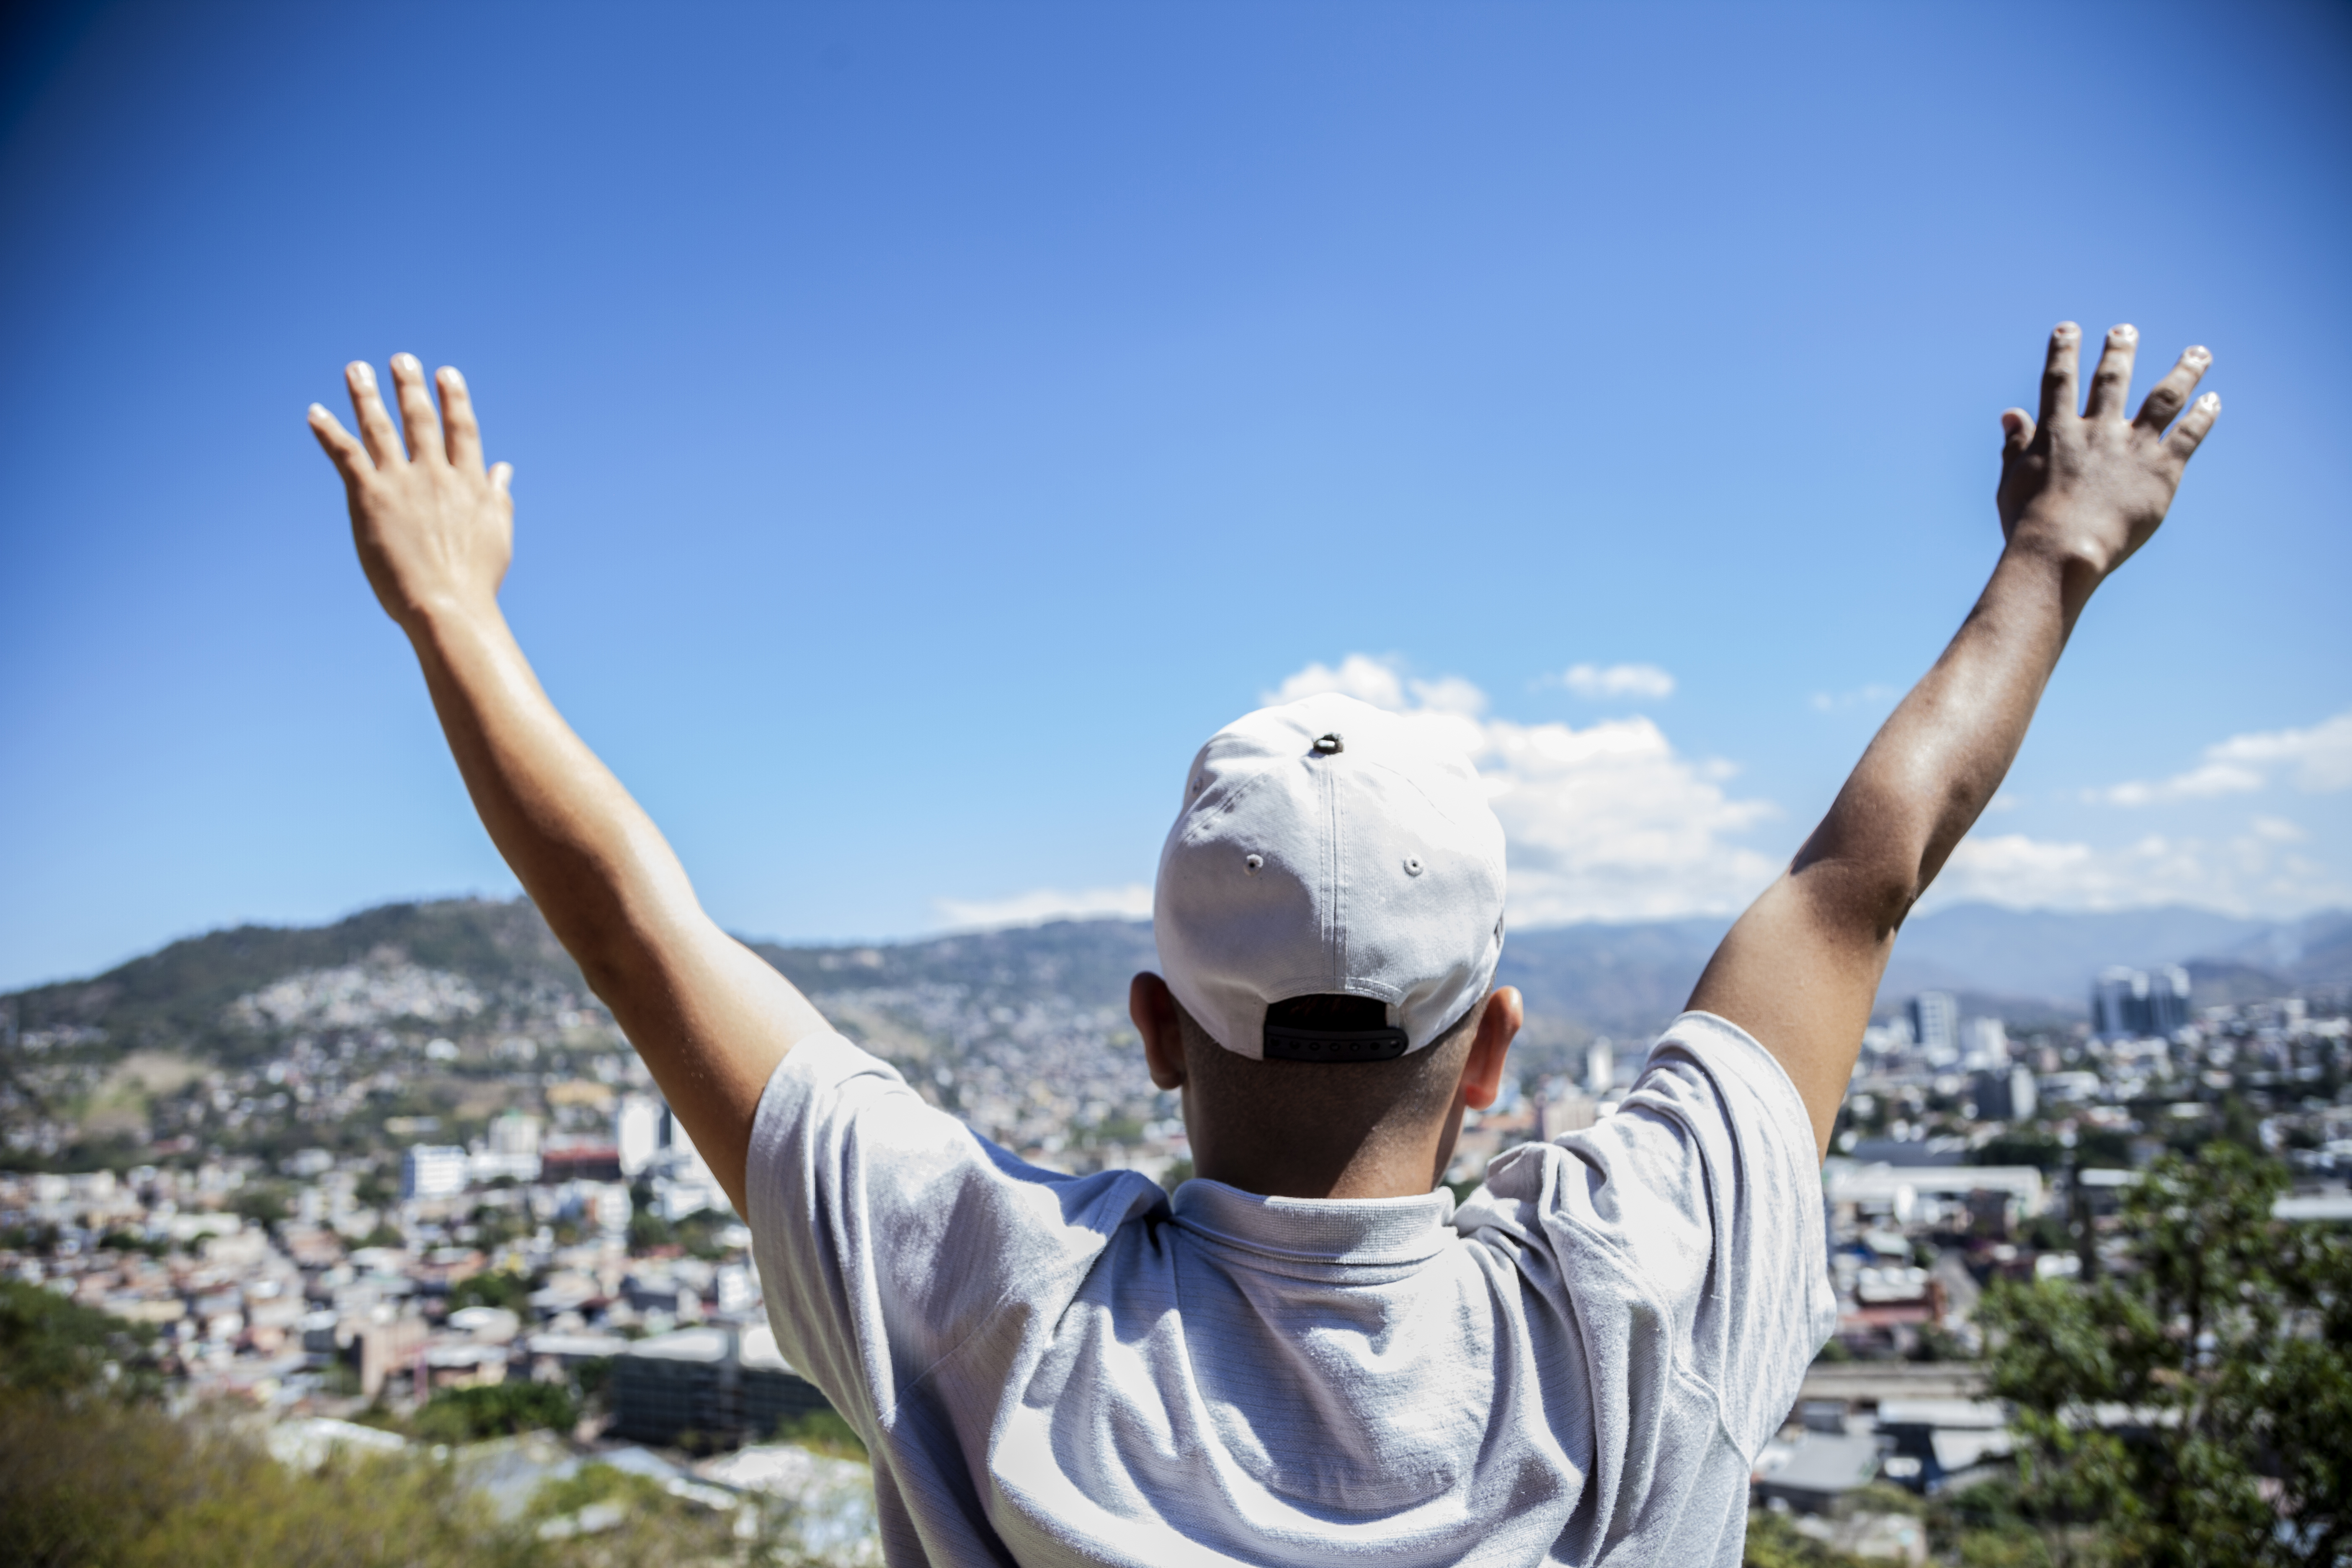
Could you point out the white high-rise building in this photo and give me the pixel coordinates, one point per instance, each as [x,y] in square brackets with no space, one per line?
[431,1170]
[1600,1067]
[1985,1044]
[1936,1024]
[514,1133]
[637,1132]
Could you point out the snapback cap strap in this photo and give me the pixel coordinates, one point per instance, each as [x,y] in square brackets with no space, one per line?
[1286,1043]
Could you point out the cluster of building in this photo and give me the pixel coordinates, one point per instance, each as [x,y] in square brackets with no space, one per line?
[1059,1083]
[511,1260]
[1966,1155]
[576,1224]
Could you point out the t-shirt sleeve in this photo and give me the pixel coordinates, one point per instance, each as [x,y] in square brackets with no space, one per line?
[1690,1221]
[887,1232]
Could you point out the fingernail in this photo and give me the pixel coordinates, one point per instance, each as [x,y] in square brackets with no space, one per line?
[450,378]
[2211,402]
[362,371]
[407,362]
[318,412]
[2124,334]
[2064,330]
[2198,353]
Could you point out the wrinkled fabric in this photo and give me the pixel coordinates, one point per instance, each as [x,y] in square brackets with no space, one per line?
[1578,1366]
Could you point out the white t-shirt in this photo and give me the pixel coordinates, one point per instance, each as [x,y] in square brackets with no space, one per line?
[1578,1365]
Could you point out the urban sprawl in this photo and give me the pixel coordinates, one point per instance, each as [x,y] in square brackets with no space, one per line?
[312,1234]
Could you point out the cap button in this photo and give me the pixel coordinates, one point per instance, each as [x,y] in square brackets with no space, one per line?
[1330,743]
[1252,864]
[1412,865]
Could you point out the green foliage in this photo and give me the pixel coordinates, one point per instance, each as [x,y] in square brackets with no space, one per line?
[648,1230]
[2098,1146]
[1937,1343]
[41,1240]
[823,1432]
[699,1234]
[592,1377]
[1114,1129]
[1179,1171]
[98,1483]
[495,1226]
[262,1202]
[49,1345]
[104,1483]
[2228,1340]
[496,1288]
[131,1241]
[495,1410]
[591,1484]
[1774,1543]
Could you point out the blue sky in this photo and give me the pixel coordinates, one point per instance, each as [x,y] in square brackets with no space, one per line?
[931,423]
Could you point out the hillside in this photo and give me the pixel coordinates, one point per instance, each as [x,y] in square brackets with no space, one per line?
[1621,979]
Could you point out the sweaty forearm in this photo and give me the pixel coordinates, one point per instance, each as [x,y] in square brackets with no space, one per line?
[1939,758]
[588,856]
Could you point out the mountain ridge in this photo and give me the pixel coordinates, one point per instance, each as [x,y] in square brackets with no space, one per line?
[1618,978]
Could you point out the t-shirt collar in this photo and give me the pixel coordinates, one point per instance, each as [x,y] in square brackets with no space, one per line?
[1319,1230]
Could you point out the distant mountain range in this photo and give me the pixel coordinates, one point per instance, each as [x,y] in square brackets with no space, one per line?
[2032,967]
[2029,966]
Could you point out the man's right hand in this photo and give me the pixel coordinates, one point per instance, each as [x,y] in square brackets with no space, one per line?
[435,530]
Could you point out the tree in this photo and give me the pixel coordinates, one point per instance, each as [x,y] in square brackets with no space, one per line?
[2194,1403]
[51,1345]
[495,1409]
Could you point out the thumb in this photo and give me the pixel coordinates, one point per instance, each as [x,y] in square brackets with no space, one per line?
[2017,431]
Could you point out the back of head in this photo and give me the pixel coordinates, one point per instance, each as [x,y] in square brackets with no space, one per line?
[1329,913]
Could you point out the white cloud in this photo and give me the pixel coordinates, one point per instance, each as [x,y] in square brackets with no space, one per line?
[2320,758]
[1871,696]
[1376,681]
[2252,872]
[2321,755]
[1598,684]
[1132,902]
[1604,823]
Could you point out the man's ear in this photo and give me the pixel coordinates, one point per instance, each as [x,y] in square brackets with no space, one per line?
[1153,1007]
[1498,1023]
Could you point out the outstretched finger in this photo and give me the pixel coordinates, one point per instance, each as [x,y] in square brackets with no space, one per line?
[457,415]
[2058,373]
[2111,382]
[350,459]
[416,411]
[2167,397]
[502,476]
[2016,432]
[2191,431]
[376,428]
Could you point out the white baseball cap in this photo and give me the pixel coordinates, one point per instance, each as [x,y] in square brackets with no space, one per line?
[1327,848]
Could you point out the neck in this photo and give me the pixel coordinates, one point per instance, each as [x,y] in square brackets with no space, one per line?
[1382,1162]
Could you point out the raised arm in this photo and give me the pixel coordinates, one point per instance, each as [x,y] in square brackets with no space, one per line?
[435,532]
[2079,493]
